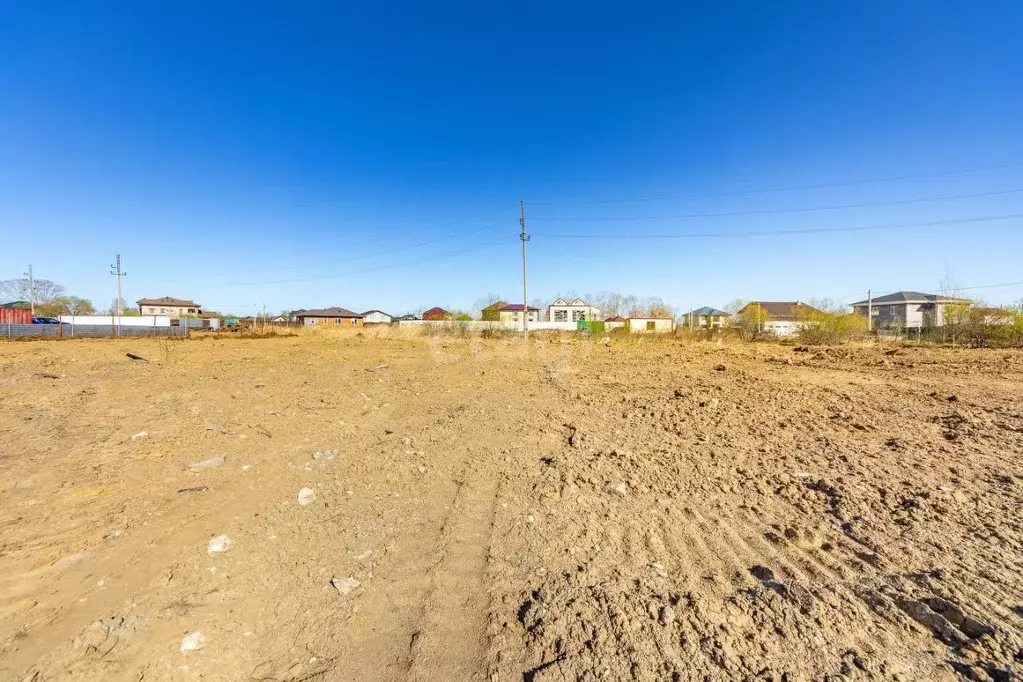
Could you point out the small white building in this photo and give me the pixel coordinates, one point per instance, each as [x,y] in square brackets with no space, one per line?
[650,325]
[616,322]
[576,310]
[376,317]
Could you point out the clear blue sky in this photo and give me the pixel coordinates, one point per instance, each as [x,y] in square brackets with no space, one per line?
[312,154]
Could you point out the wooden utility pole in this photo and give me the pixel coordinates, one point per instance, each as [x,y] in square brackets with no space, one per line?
[870,312]
[525,301]
[115,270]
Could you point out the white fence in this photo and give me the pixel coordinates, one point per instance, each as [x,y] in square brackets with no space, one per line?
[121,321]
[481,324]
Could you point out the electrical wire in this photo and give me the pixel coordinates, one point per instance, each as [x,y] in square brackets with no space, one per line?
[876,292]
[386,266]
[767,233]
[773,211]
[791,188]
[399,249]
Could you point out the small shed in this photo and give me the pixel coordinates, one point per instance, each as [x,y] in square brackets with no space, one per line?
[616,322]
[648,325]
[16,312]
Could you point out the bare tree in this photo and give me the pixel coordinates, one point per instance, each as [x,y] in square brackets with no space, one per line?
[40,291]
[734,306]
[948,284]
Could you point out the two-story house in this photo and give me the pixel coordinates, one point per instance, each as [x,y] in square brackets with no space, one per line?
[576,310]
[907,310]
[706,318]
[172,307]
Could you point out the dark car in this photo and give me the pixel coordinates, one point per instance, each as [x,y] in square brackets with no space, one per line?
[45,320]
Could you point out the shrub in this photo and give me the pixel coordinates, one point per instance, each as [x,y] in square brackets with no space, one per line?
[830,325]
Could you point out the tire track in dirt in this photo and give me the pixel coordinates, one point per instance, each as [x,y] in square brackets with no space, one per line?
[427,615]
[451,637]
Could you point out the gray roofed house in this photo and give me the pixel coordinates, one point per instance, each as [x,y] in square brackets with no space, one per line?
[907,309]
[329,316]
[706,318]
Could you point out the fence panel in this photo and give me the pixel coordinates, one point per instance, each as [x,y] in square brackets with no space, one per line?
[85,331]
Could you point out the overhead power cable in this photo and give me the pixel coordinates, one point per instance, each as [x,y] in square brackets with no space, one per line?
[789,188]
[954,289]
[386,266]
[771,211]
[394,250]
[767,233]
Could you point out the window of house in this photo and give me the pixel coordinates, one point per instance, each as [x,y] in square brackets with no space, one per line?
[337,320]
[561,316]
[651,326]
[578,315]
[355,321]
[893,310]
[191,310]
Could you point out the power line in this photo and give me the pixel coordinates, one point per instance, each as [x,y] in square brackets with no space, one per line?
[387,266]
[805,209]
[970,288]
[399,249]
[790,188]
[766,233]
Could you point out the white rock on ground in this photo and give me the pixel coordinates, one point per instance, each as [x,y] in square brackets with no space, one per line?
[306,495]
[140,435]
[211,463]
[221,543]
[193,642]
[345,586]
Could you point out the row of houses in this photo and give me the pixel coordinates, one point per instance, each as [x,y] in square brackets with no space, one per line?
[569,313]
[899,310]
[903,310]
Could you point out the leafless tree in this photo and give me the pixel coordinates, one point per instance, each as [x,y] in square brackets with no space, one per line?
[41,290]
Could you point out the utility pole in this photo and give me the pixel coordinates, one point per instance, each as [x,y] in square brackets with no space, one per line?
[525,301]
[31,290]
[115,270]
[870,312]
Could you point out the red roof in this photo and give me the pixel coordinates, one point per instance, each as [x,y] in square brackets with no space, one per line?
[436,314]
[616,318]
[516,306]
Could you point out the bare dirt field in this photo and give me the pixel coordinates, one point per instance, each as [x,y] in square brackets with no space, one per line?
[451,509]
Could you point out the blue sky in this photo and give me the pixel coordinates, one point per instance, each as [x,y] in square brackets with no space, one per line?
[372,155]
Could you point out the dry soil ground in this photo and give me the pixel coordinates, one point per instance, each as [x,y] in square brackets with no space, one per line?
[570,511]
